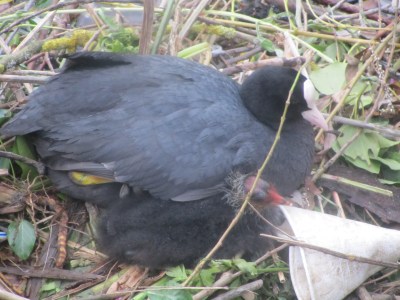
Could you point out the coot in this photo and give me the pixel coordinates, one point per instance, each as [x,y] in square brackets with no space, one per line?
[168,126]
[154,233]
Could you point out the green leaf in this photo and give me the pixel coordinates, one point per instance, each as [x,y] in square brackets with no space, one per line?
[207,276]
[330,79]
[21,147]
[50,286]
[393,164]
[120,40]
[169,294]
[4,165]
[358,95]
[245,266]
[390,176]
[193,50]
[267,44]
[42,4]
[364,151]
[4,113]
[21,238]
[390,170]
[335,51]
[222,264]
[178,273]
[371,166]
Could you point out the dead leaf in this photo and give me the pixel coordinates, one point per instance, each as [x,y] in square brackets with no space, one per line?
[129,281]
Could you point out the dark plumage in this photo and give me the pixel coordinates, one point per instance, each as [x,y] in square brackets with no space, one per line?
[166,125]
[167,133]
[153,233]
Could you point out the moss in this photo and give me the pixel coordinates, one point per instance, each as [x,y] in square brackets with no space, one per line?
[78,38]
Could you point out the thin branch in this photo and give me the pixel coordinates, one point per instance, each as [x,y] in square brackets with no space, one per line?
[349,257]
[147,27]
[192,18]
[252,286]
[37,165]
[276,61]
[52,273]
[359,185]
[23,78]
[387,132]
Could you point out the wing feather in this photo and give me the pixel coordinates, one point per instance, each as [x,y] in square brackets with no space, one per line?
[157,123]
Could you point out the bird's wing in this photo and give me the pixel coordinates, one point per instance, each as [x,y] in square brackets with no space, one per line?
[162,124]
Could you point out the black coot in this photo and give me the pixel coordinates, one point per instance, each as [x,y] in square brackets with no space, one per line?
[165,125]
[155,233]
[160,136]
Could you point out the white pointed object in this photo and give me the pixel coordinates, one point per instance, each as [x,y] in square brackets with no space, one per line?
[316,275]
[313,115]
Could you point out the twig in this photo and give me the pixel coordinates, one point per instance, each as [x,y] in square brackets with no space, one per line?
[23,79]
[115,295]
[67,292]
[37,165]
[375,280]
[349,257]
[371,217]
[363,294]
[33,32]
[9,61]
[147,27]
[225,279]
[94,38]
[192,18]
[78,248]
[286,62]
[13,9]
[359,185]
[163,25]
[354,9]
[387,132]
[356,15]
[270,253]
[252,286]
[244,56]
[234,32]
[251,23]
[338,203]
[32,72]
[52,273]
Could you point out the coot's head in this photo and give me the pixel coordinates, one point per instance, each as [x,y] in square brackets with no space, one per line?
[263,197]
[266,90]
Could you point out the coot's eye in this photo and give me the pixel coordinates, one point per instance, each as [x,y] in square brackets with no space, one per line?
[259,196]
